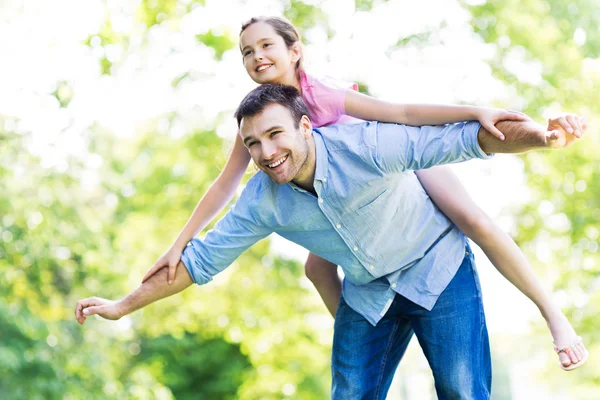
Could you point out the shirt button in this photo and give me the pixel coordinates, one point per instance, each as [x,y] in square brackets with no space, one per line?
[394,285]
[372,267]
[324,180]
[320,201]
[338,226]
[355,248]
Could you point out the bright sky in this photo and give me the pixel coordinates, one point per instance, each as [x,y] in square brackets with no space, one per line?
[41,44]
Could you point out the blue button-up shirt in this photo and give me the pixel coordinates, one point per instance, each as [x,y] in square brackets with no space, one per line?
[371,216]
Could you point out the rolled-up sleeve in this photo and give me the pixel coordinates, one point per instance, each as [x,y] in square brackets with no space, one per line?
[400,147]
[231,236]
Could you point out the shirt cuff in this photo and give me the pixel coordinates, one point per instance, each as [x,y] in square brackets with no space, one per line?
[471,129]
[194,265]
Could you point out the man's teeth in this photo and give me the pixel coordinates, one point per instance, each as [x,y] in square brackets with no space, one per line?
[278,162]
[263,67]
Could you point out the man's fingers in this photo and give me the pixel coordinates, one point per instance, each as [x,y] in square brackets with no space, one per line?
[81,305]
[78,315]
[92,310]
[553,135]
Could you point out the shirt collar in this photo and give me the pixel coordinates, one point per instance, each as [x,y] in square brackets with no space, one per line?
[321,160]
[320,157]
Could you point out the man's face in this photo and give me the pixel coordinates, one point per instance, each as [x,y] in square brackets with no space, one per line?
[277,147]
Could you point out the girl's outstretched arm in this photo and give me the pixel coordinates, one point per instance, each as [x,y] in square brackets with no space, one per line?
[368,108]
[447,192]
[213,201]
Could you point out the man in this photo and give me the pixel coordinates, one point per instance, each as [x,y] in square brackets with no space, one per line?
[348,194]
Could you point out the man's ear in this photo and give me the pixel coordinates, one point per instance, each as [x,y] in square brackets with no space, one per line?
[306,126]
[296,51]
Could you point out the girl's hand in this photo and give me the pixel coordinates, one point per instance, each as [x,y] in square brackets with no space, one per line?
[170,259]
[565,129]
[489,117]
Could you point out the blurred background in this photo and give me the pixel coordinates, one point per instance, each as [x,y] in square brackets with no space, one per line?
[116,116]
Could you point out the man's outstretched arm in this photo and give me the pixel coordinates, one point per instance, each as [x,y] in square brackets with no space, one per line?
[153,289]
[522,136]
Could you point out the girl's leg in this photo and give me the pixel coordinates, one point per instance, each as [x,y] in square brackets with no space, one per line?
[324,276]
[446,191]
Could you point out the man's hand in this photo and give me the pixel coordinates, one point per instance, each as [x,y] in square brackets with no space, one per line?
[522,136]
[565,129]
[170,259]
[107,309]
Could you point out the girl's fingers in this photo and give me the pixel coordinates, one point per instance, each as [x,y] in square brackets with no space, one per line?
[171,273]
[574,123]
[562,122]
[511,117]
[524,117]
[494,131]
[515,116]
[151,272]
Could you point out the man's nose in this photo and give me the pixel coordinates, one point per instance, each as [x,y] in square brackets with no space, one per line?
[269,150]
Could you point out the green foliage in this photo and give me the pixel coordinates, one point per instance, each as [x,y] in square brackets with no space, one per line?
[63,93]
[22,355]
[303,15]
[220,43]
[103,39]
[152,12]
[192,366]
[367,5]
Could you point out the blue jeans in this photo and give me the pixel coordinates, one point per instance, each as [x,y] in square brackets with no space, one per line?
[453,336]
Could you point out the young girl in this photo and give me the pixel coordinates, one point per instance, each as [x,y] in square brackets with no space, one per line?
[272,53]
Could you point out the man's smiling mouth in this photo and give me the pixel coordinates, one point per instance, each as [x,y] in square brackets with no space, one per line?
[278,162]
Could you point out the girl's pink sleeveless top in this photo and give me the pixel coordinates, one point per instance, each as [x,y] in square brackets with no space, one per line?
[325,99]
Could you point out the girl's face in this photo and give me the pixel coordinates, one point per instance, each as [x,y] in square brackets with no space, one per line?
[266,57]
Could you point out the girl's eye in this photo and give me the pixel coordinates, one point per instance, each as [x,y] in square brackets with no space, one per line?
[275,133]
[267,45]
[247,52]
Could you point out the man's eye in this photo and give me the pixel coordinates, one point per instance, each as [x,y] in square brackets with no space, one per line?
[251,144]
[275,133]
[267,44]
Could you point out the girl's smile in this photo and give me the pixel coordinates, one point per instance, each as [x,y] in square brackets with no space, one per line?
[266,56]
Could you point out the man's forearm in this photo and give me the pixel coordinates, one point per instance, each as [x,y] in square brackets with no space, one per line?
[154,289]
[520,136]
